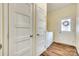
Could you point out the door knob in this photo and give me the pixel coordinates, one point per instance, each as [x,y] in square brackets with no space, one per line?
[38,34]
[0,46]
[31,35]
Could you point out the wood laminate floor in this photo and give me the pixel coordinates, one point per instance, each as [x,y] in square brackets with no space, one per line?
[57,49]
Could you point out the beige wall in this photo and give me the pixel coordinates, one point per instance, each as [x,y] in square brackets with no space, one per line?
[54,18]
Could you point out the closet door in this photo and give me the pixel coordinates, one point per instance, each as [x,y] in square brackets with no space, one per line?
[1,29]
[40,28]
[20,29]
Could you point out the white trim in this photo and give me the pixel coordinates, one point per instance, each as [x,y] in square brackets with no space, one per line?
[5,28]
[1,29]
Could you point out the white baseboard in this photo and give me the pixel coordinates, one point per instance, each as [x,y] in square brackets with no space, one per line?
[65,43]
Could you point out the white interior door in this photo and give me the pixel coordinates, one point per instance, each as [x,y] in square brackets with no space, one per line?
[0,29]
[20,29]
[40,30]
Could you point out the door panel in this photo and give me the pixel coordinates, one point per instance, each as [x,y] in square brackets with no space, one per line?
[1,30]
[40,29]
[20,29]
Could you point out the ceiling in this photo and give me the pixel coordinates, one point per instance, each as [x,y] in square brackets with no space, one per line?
[55,6]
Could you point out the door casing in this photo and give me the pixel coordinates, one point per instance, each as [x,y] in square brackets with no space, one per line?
[1,30]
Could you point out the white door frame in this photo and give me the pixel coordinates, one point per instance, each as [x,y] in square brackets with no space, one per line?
[5,27]
[1,30]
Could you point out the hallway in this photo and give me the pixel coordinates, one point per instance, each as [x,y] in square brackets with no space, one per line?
[29,29]
[57,49]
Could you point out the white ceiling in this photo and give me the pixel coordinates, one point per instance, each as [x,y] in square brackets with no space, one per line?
[55,6]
